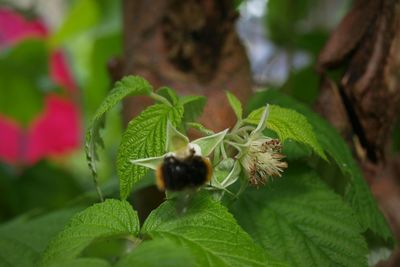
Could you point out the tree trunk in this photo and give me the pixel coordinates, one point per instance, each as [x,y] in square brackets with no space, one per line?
[365,102]
[191,46]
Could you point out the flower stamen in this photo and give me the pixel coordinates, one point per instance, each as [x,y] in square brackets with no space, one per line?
[263,160]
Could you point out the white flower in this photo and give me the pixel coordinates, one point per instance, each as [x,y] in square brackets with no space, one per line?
[262,158]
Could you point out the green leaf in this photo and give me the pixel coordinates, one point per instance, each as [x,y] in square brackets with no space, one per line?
[82,262]
[209,231]
[303,84]
[130,85]
[14,253]
[360,198]
[298,218]
[144,137]
[295,150]
[235,105]
[357,194]
[22,241]
[112,218]
[157,253]
[193,106]
[22,191]
[289,124]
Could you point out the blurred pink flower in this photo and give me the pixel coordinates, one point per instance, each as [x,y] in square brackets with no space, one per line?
[60,73]
[56,130]
[53,132]
[10,136]
[14,28]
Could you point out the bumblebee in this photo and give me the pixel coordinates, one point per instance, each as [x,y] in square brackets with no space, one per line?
[184,170]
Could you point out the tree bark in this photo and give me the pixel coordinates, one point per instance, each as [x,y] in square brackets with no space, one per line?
[366,44]
[191,46]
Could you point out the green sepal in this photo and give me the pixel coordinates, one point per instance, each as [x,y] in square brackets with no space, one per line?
[209,143]
[233,176]
[151,163]
[235,104]
[262,123]
[175,139]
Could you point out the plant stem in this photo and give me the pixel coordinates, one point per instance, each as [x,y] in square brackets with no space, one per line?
[224,155]
[161,99]
[98,189]
[237,126]
[236,138]
[244,129]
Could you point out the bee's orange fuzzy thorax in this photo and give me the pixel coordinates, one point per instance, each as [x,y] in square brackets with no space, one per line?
[159,179]
[209,169]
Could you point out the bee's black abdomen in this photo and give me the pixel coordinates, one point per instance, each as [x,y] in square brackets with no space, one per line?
[179,174]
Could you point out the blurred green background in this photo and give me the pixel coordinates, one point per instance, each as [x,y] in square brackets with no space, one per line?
[88,34]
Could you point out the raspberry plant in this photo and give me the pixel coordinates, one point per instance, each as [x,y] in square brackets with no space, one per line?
[292,215]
